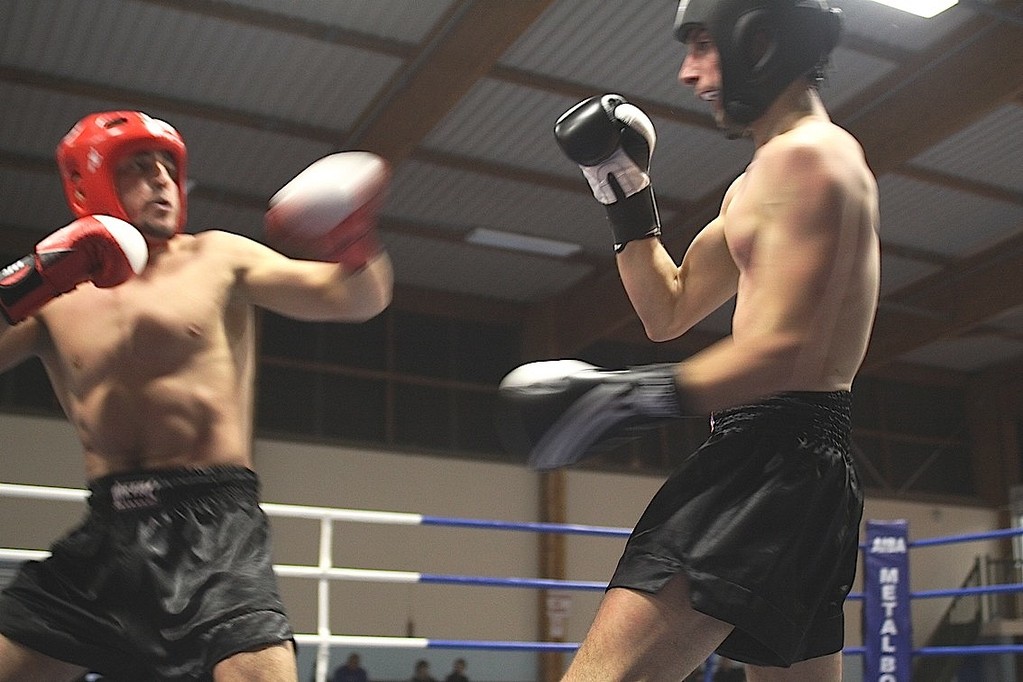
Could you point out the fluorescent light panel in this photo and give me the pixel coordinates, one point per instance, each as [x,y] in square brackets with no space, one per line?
[522,242]
[921,8]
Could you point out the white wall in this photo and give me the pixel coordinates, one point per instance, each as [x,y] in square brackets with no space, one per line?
[45,452]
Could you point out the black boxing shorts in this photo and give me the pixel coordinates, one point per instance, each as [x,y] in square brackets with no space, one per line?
[169,574]
[764,521]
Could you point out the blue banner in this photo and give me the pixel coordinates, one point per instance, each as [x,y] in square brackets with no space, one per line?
[887,628]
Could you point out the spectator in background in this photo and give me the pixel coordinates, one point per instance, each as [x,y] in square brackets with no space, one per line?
[351,671]
[422,672]
[457,673]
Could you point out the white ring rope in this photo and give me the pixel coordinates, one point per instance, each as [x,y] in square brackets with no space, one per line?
[325,571]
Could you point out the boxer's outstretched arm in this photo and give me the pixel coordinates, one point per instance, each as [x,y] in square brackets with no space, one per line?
[308,289]
[324,220]
[329,211]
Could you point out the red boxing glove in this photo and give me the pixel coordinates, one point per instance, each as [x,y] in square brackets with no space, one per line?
[104,250]
[329,210]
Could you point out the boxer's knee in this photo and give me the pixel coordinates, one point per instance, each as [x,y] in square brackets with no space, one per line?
[275,663]
[19,663]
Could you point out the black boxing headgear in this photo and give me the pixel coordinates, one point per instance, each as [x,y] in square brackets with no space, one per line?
[764,45]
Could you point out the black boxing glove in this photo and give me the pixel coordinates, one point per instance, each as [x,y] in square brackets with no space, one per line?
[562,411]
[612,141]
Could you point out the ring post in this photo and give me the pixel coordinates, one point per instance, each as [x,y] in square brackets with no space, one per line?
[887,626]
[323,599]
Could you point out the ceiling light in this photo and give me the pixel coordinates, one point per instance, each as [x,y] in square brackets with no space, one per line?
[921,8]
[522,242]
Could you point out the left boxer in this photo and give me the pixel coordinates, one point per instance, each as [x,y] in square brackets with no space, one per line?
[158,380]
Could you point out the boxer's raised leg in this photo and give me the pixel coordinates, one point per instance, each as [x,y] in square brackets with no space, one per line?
[638,635]
[812,670]
[272,664]
[561,411]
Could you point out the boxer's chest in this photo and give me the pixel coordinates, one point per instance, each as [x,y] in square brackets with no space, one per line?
[150,325]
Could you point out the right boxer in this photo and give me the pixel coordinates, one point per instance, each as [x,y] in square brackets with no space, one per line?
[749,548]
[148,336]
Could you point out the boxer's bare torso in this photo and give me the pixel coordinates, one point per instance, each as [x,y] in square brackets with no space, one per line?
[796,243]
[806,248]
[157,372]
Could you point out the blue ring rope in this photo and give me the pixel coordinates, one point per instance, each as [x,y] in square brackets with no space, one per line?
[967,537]
[543,583]
[974,650]
[533,527]
[967,591]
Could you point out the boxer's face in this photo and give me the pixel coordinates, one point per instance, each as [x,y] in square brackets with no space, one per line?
[701,71]
[147,185]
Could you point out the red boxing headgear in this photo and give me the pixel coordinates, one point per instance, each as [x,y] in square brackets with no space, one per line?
[92,149]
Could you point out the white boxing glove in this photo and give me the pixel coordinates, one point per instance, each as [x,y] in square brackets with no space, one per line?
[329,210]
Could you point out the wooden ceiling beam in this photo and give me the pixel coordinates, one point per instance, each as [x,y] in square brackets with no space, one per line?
[980,189]
[917,375]
[930,293]
[28,162]
[917,254]
[17,240]
[148,101]
[543,180]
[951,302]
[449,64]
[908,117]
[280,22]
[567,88]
